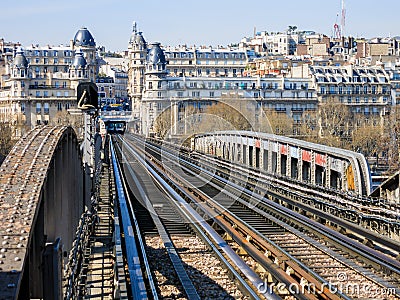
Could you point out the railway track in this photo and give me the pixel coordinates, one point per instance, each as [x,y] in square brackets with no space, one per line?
[183,261]
[292,196]
[321,258]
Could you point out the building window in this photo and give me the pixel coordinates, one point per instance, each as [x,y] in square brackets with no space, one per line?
[59,106]
[37,94]
[159,85]
[46,108]
[45,94]
[38,108]
[150,85]
[211,94]
[23,107]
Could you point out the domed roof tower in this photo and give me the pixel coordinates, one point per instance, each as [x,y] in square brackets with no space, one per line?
[156,62]
[78,68]
[137,41]
[83,38]
[79,60]
[20,60]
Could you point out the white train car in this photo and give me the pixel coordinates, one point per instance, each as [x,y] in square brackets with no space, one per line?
[304,161]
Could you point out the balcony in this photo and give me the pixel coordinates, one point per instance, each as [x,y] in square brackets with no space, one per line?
[44,86]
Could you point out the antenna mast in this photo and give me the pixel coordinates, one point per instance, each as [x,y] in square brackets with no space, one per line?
[343,19]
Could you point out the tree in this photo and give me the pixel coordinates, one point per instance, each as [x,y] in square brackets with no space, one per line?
[6,141]
[367,140]
[334,122]
[280,123]
[308,128]
[393,133]
[224,116]
[162,124]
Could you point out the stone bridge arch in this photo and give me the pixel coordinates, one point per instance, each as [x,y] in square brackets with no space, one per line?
[41,200]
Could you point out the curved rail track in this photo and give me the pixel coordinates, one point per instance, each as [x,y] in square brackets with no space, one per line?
[293,245]
[197,265]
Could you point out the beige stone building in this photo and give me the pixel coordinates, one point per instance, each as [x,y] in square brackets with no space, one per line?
[39,82]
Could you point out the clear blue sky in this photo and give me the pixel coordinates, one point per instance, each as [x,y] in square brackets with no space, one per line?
[174,22]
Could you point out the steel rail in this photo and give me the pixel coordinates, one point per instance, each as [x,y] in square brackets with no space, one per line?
[137,284]
[378,259]
[197,219]
[140,239]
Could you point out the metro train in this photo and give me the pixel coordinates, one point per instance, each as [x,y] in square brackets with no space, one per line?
[287,157]
[116,127]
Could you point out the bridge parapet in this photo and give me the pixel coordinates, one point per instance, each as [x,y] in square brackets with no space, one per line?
[36,205]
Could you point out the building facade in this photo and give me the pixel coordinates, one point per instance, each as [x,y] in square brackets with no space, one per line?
[39,82]
[181,80]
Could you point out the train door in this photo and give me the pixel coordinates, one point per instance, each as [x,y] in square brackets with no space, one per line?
[265,160]
[336,171]
[284,157]
[306,171]
[294,167]
[250,156]
[257,158]
[336,180]
[319,175]
[283,164]
[306,165]
[320,169]
[274,161]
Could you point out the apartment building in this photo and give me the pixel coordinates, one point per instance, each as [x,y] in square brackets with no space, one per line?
[366,90]
[39,82]
[164,89]
[112,84]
